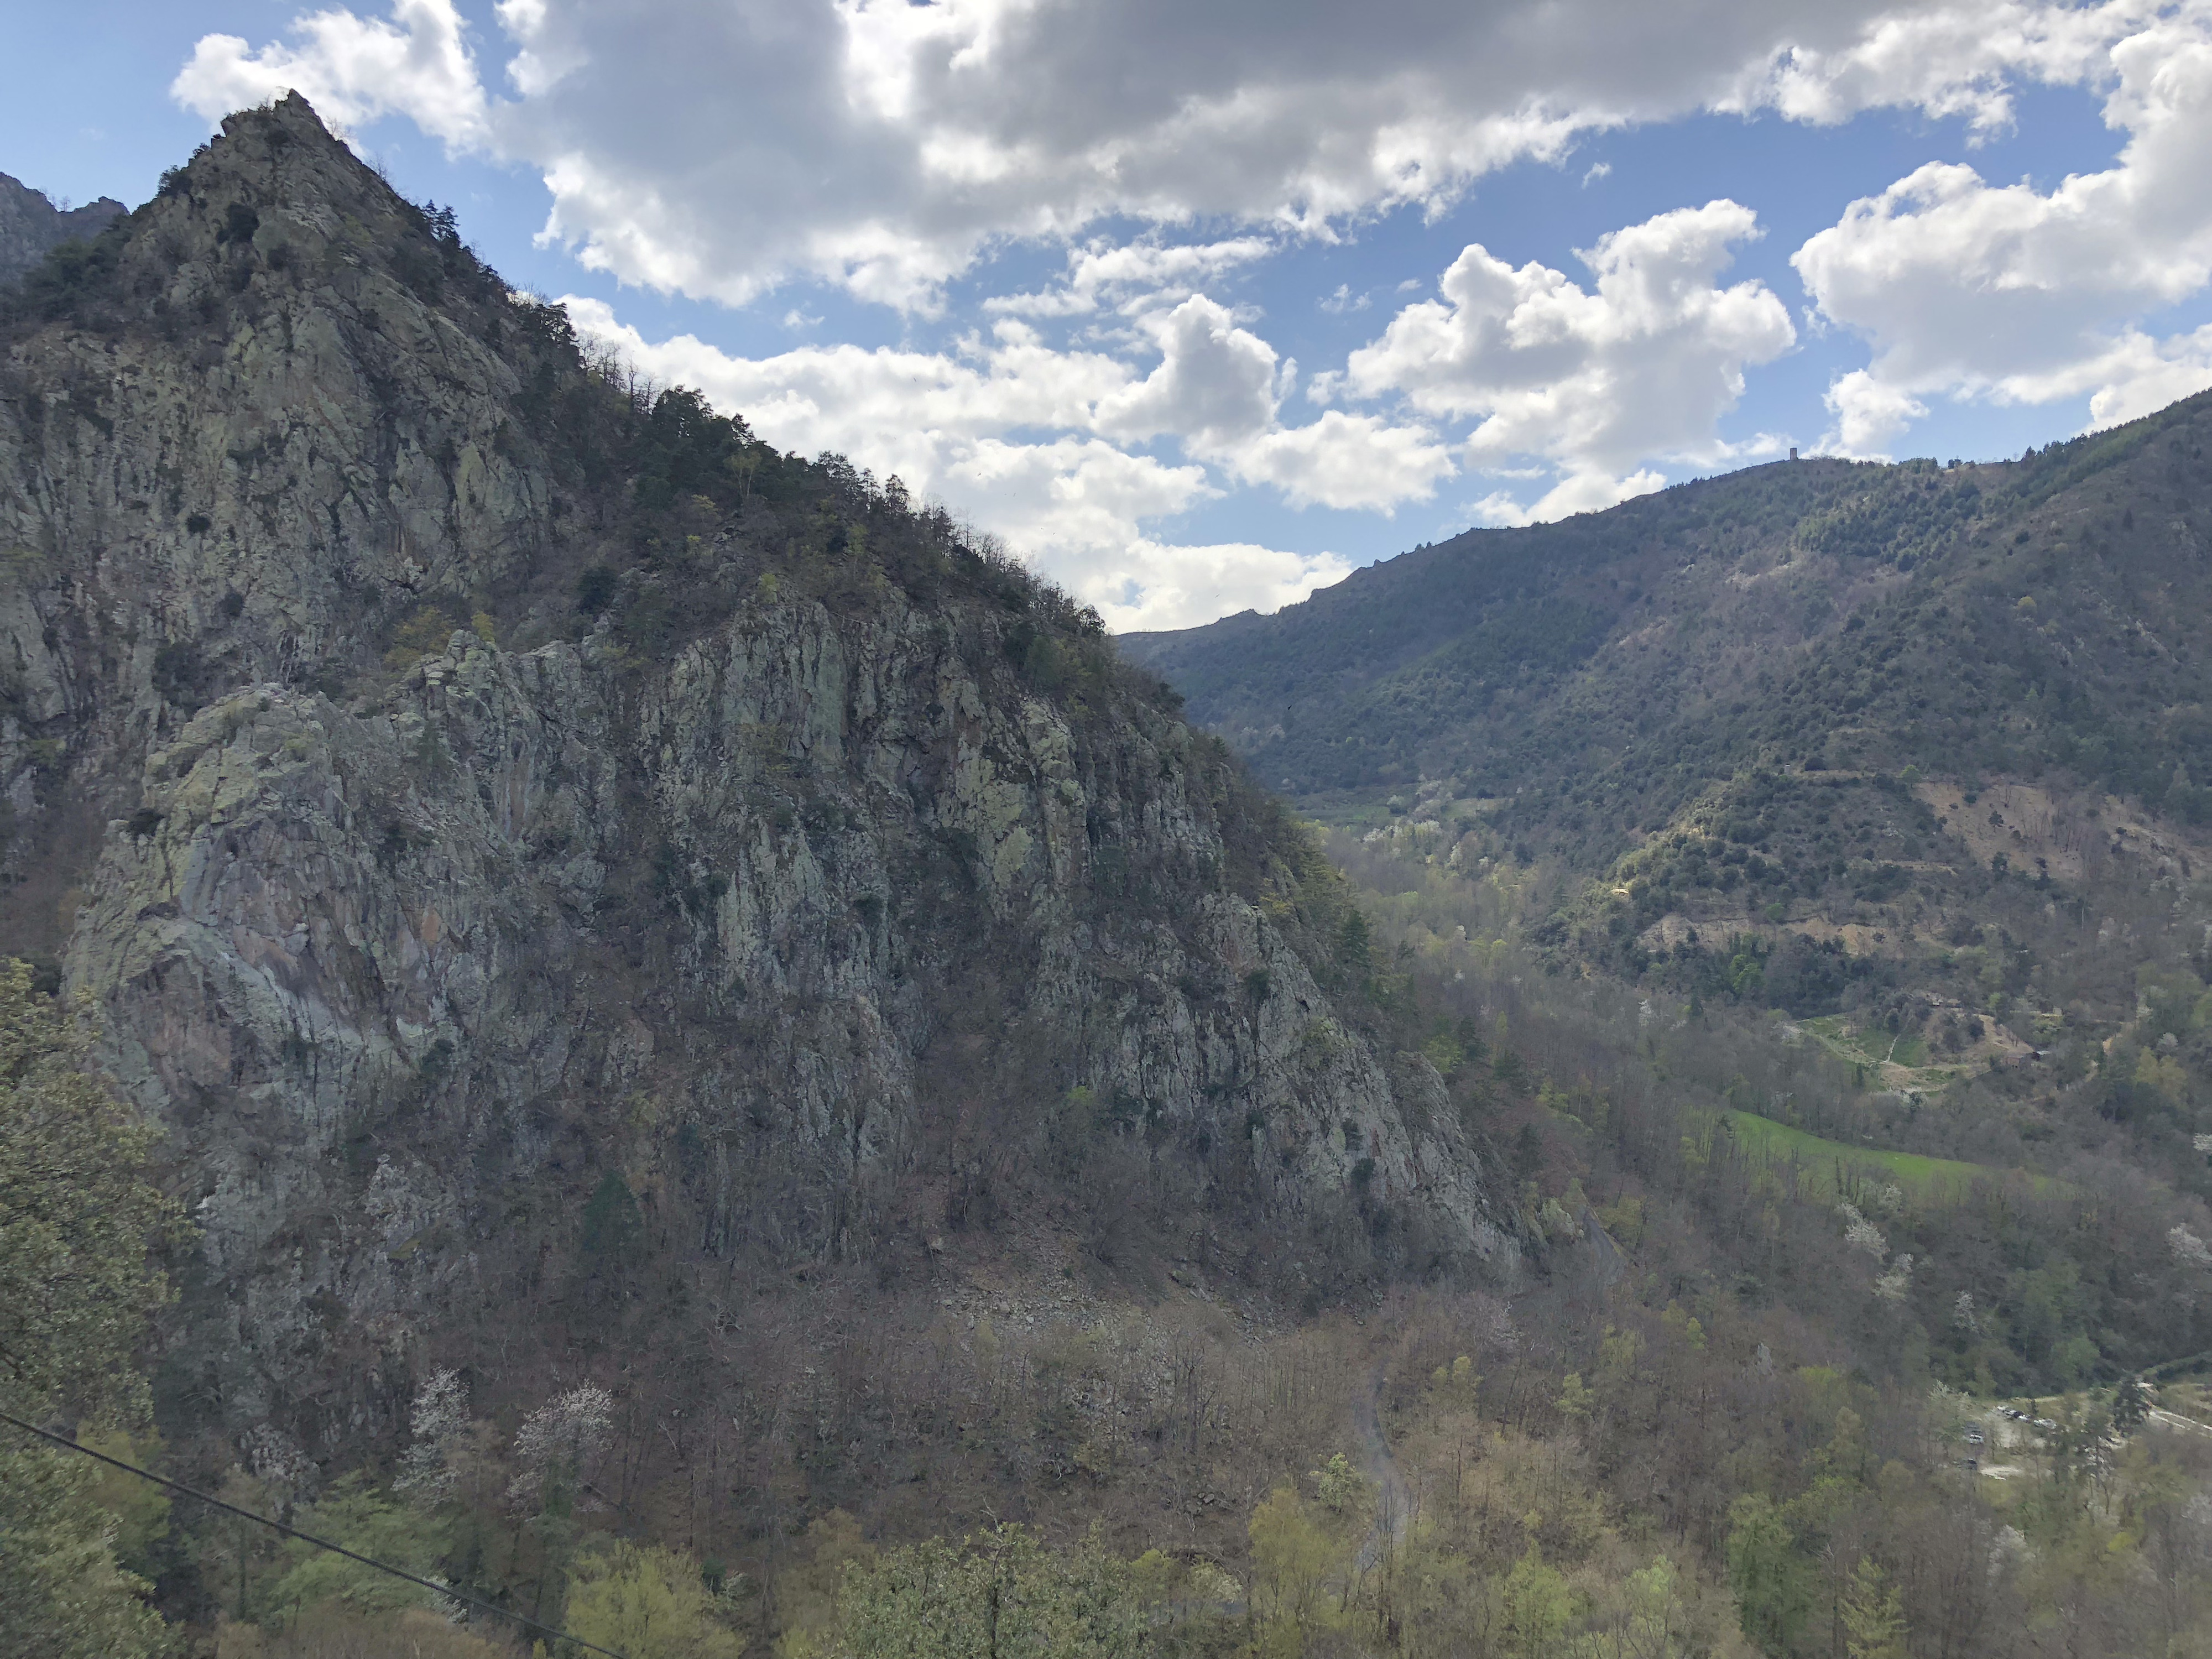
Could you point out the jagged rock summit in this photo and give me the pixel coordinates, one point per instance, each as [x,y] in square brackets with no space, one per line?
[31,226]
[521,837]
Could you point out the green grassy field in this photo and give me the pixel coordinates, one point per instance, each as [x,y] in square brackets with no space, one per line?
[1920,1177]
[1868,1048]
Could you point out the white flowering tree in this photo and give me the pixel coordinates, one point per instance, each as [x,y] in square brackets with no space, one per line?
[439,1427]
[559,1444]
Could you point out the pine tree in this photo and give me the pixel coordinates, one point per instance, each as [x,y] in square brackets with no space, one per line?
[2130,1404]
[1874,1614]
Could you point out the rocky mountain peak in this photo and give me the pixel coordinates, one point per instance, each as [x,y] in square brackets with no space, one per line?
[321,197]
[521,836]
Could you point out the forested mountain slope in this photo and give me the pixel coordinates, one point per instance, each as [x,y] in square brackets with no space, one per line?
[2047,613]
[527,841]
[1913,742]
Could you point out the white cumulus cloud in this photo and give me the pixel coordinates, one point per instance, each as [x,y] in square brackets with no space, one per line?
[719,146]
[1970,289]
[1345,460]
[1594,382]
[1218,389]
[1946,60]
[1214,387]
[1073,500]
[1145,273]
[1871,416]
[352,70]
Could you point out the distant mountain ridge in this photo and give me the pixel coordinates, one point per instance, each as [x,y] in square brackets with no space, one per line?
[1622,696]
[31,226]
[1477,658]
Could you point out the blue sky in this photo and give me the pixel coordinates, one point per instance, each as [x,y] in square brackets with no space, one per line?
[1159,292]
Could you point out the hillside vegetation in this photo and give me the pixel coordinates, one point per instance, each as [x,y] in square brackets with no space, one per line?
[1725,1414]
[1915,754]
[1913,1172]
[2047,615]
[658,1035]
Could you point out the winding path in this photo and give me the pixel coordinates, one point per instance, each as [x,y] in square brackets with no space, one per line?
[1394,1509]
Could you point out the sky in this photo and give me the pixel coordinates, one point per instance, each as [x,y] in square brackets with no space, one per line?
[1200,304]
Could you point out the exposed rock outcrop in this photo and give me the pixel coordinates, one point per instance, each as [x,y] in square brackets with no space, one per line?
[817,887]
[31,226]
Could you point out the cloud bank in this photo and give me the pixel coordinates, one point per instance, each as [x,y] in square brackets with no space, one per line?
[719,146]
[719,149]
[1595,382]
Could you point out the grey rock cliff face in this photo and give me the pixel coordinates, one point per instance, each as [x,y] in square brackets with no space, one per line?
[267,441]
[31,226]
[792,922]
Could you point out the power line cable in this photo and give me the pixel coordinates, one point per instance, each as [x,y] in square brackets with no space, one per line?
[450,1593]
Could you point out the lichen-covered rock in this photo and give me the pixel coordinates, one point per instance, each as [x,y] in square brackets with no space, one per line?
[820,910]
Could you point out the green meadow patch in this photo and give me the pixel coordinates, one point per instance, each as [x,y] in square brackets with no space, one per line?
[1874,1049]
[1922,1177]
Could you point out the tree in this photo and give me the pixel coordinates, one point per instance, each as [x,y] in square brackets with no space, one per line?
[1658,1621]
[369,1523]
[439,1427]
[1575,1398]
[76,1215]
[1874,1613]
[2130,1404]
[1002,1595]
[557,1443]
[140,1509]
[648,1604]
[1767,1575]
[1645,1618]
[62,1595]
[612,1225]
[1347,1495]
[1538,1605]
[1292,1555]
[806,1592]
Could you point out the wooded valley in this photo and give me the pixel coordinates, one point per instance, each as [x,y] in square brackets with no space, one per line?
[664,1039]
